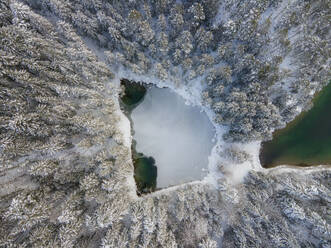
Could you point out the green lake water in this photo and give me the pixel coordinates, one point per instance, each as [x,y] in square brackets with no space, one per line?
[133,94]
[145,171]
[305,141]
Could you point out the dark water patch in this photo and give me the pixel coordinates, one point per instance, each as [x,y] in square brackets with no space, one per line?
[145,171]
[306,141]
[133,94]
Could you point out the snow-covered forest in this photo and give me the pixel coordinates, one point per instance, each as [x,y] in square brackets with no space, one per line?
[66,171]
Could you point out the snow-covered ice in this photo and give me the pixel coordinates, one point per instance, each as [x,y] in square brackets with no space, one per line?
[179,136]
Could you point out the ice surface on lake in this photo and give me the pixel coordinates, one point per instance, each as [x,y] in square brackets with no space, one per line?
[178,136]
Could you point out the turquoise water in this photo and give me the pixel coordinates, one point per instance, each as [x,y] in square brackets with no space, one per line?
[305,141]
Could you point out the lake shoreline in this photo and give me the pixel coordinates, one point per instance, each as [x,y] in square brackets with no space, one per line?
[306,140]
[145,171]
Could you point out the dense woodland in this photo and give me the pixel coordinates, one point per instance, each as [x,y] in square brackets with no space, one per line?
[264,58]
[66,176]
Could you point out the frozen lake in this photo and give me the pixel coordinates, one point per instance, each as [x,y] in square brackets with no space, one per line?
[178,136]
